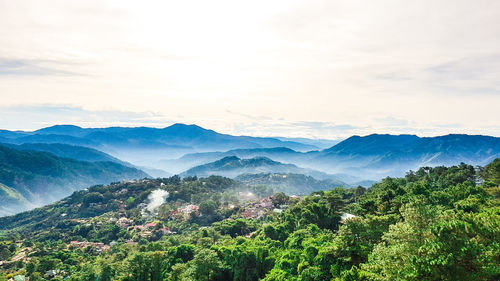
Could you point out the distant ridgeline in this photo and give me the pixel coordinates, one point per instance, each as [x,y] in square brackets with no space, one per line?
[176,137]
[364,158]
[43,166]
[440,223]
[179,147]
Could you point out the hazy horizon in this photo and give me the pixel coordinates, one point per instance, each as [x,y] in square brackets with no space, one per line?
[243,134]
[316,69]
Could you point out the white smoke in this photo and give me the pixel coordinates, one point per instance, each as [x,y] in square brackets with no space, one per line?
[156,198]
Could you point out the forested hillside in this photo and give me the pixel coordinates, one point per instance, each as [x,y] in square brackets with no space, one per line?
[439,223]
[81,153]
[42,177]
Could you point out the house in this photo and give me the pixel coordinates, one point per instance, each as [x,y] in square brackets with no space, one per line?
[265,203]
[151,225]
[166,230]
[138,227]
[186,210]
[124,222]
[82,244]
[190,209]
[254,213]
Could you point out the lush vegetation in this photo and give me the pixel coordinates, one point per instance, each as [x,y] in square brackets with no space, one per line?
[433,224]
[42,177]
[81,153]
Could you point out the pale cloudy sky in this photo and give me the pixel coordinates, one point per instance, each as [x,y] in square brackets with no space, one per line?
[324,69]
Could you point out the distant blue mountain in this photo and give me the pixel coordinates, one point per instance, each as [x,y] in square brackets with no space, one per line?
[70,130]
[232,166]
[81,153]
[144,146]
[448,149]
[178,135]
[363,157]
[371,145]
[383,155]
[187,161]
[374,156]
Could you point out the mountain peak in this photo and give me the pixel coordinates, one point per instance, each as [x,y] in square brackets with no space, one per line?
[189,130]
[184,126]
[61,130]
[59,127]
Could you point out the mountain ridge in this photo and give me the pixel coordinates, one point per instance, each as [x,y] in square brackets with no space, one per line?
[377,155]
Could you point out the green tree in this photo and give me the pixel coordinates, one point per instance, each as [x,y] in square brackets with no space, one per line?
[434,245]
[205,266]
[208,207]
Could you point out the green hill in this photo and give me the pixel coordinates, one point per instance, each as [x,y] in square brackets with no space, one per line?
[437,223]
[11,201]
[42,177]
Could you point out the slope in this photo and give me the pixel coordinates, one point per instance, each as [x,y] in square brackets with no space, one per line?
[42,177]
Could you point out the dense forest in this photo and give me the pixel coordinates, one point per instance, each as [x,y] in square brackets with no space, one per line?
[440,223]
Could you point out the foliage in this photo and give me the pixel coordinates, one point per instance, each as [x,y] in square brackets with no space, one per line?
[440,223]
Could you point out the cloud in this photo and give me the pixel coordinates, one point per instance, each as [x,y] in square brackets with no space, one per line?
[325,126]
[23,67]
[322,68]
[476,75]
[31,117]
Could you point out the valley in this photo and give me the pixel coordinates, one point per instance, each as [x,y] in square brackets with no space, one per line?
[191,204]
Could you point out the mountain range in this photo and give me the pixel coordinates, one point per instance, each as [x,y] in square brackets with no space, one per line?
[371,157]
[145,146]
[42,166]
[177,136]
[377,156]
[178,147]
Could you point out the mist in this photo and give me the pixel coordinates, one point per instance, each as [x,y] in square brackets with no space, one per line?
[156,198]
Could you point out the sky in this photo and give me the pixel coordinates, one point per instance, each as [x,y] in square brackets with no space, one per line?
[318,69]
